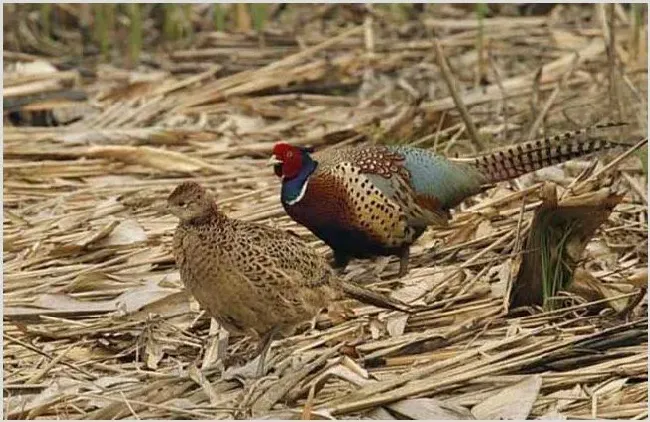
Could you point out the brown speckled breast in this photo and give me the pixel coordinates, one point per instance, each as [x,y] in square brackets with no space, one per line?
[346,210]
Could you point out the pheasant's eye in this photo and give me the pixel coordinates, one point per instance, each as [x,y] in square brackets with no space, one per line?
[181,204]
[289,154]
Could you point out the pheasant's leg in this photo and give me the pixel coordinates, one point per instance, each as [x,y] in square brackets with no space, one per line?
[264,345]
[403,261]
[341,260]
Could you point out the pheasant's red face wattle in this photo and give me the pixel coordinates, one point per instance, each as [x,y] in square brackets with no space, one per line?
[290,158]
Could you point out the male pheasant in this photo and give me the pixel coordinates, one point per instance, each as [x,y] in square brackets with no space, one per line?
[377,200]
[251,278]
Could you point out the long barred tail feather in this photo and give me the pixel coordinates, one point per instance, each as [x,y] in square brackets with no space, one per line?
[517,160]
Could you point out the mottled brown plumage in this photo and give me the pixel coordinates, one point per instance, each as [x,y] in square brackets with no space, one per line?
[251,278]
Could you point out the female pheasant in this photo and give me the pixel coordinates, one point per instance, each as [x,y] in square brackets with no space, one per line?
[251,278]
[377,200]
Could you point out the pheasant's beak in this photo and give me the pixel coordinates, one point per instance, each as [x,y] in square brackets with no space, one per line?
[273,161]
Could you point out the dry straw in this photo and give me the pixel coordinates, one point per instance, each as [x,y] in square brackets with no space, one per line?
[97,326]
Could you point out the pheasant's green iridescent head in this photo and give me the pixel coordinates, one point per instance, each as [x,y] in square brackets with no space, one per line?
[190,201]
[289,161]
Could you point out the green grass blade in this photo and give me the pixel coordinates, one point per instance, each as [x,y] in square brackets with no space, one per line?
[135,32]
[643,155]
[219,17]
[45,16]
[102,35]
[258,13]
[187,29]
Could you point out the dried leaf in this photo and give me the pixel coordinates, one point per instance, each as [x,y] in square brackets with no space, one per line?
[420,287]
[135,299]
[464,233]
[502,405]
[126,232]
[111,180]
[153,352]
[552,415]
[376,328]
[639,279]
[395,325]
[81,354]
[354,367]
[31,88]
[380,413]
[107,207]
[346,374]
[293,414]
[198,377]
[568,40]
[499,288]
[152,135]
[411,293]
[175,307]
[150,157]
[613,386]
[91,281]
[242,124]
[599,250]
[70,222]
[86,240]
[430,409]
[484,229]
[58,389]
[565,398]
[592,289]
[37,67]
[216,347]
[63,304]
